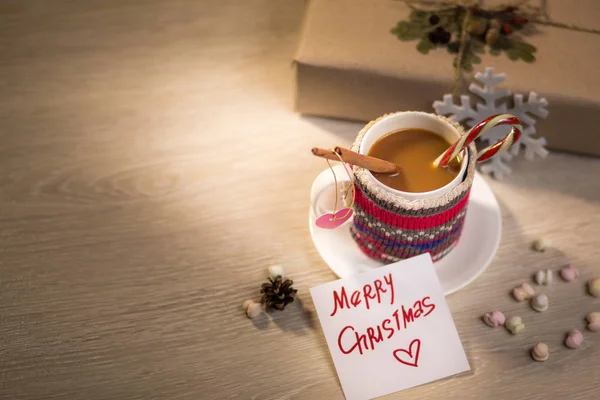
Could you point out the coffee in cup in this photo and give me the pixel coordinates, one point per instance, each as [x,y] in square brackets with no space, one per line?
[414,150]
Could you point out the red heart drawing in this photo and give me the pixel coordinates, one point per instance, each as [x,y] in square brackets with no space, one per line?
[413,354]
[332,221]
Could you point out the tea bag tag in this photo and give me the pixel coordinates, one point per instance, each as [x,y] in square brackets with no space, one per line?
[334,219]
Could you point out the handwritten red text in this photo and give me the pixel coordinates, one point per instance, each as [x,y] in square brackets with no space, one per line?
[349,340]
[368,294]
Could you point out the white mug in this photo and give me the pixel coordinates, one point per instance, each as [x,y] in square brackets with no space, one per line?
[323,198]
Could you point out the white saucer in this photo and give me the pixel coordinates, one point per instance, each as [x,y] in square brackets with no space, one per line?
[478,244]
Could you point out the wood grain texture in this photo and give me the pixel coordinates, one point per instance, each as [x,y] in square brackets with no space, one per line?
[132,229]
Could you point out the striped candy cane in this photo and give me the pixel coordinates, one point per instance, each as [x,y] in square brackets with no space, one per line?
[480,129]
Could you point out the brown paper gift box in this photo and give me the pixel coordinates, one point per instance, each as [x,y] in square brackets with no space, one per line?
[349,65]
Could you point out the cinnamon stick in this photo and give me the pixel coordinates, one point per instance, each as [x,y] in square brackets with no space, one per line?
[371,163]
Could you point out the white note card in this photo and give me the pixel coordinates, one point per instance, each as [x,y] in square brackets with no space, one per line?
[389,329]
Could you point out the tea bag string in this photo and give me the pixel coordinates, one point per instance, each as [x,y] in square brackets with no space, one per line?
[351,180]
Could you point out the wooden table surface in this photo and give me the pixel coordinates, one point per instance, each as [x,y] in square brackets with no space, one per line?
[152,167]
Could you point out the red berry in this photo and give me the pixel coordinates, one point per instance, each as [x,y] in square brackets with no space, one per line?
[474,10]
[433,38]
[506,29]
[510,9]
[445,38]
[521,20]
[434,19]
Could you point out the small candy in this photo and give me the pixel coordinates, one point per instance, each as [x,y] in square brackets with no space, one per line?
[593,320]
[594,326]
[275,271]
[540,302]
[569,272]
[494,319]
[528,289]
[514,325]
[253,309]
[593,316]
[541,245]
[574,339]
[523,292]
[544,277]
[519,294]
[540,352]
[594,287]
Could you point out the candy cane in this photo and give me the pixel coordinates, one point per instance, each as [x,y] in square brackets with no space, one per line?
[480,129]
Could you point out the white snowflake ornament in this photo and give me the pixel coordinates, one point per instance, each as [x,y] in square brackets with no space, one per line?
[495,102]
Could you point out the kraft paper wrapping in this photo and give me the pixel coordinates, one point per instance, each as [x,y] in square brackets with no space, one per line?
[349,65]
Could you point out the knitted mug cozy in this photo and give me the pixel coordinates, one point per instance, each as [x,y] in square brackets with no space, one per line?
[390,228]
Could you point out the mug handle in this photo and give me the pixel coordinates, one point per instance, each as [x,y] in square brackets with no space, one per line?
[323,182]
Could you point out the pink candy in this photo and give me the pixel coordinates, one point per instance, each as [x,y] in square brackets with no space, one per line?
[494,319]
[569,273]
[574,339]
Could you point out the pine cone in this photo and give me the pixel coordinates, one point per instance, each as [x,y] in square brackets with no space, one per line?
[277,293]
